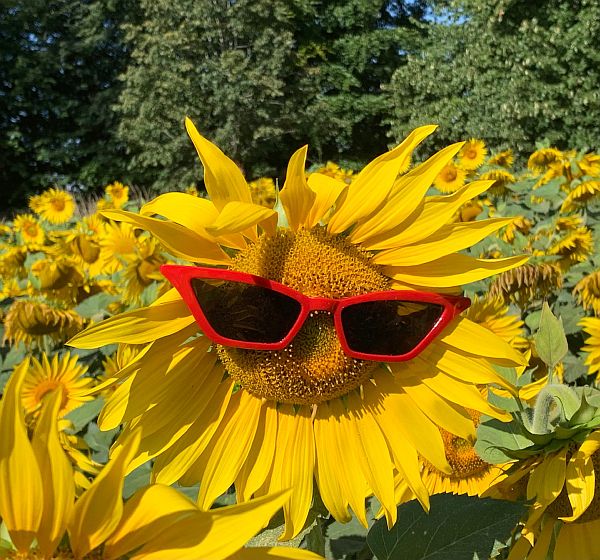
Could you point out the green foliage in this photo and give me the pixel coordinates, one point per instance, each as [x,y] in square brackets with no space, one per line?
[511,72]
[456,528]
[550,340]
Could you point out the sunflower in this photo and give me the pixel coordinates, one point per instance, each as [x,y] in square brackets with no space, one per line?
[332,169]
[38,324]
[568,223]
[540,160]
[591,326]
[263,192]
[492,313]
[55,206]
[580,195]
[519,223]
[587,291]
[470,474]
[117,242]
[527,283]
[11,289]
[469,211]
[590,165]
[472,154]
[30,230]
[44,376]
[118,193]
[573,248]
[504,159]
[38,506]
[450,179]
[12,262]
[502,179]
[141,269]
[58,278]
[267,420]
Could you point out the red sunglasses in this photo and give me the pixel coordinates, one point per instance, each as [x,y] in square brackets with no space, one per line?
[247,311]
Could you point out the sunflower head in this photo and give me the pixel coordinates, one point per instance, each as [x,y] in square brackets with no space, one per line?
[472,154]
[502,181]
[581,195]
[450,179]
[540,161]
[29,228]
[575,247]
[36,323]
[263,192]
[519,224]
[590,165]
[503,159]
[587,292]
[118,193]
[55,206]
[332,169]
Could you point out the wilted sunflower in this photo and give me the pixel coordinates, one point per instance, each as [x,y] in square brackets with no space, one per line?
[472,154]
[307,409]
[44,519]
[118,193]
[503,159]
[38,324]
[540,160]
[587,291]
[581,195]
[47,375]
[450,178]
[30,229]
[502,179]
[518,223]
[573,248]
[54,205]
[58,278]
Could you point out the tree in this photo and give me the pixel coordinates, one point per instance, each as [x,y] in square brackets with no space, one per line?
[508,71]
[260,78]
[58,65]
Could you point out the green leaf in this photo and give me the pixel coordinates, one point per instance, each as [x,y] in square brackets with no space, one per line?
[137,479]
[99,441]
[495,437]
[83,415]
[550,340]
[15,356]
[456,528]
[95,305]
[344,540]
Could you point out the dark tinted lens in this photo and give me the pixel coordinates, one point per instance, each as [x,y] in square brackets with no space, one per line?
[389,328]
[245,312]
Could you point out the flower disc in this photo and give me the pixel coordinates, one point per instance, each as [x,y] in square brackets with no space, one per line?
[314,367]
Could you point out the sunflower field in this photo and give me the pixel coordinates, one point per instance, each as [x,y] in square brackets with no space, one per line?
[248,371]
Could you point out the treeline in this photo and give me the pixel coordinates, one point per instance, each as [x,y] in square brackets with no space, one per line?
[96,90]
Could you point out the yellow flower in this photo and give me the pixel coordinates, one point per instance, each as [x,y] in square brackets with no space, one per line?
[470,474]
[566,505]
[332,169]
[472,154]
[141,270]
[469,211]
[501,178]
[518,223]
[573,248]
[587,291]
[117,242]
[580,195]
[45,376]
[263,192]
[39,509]
[58,278]
[503,159]
[12,262]
[192,190]
[309,411]
[450,178]
[540,161]
[118,193]
[568,223]
[55,206]
[590,165]
[30,229]
[591,326]
[37,324]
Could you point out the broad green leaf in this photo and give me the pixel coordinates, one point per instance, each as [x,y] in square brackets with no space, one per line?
[494,436]
[345,540]
[456,528]
[95,305]
[136,479]
[550,340]
[84,414]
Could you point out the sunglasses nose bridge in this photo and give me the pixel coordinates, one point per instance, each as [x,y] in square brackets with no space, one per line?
[322,304]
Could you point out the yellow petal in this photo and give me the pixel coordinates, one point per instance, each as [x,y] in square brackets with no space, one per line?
[98,511]
[146,514]
[21,492]
[591,444]
[171,465]
[136,327]
[224,456]
[472,338]
[296,196]
[274,553]
[375,457]
[580,483]
[405,197]
[260,458]
[327,192]
[223,178]
[57,474]
[328,466]
[433,213]
[449,239]
[192,212]
[236,217]
[374,182]
[178,240]
[213,535]
[546,481]
[452,270]
[295,444]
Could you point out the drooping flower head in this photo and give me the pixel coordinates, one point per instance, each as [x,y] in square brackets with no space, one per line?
[266,420]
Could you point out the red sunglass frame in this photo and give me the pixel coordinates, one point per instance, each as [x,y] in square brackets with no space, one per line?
[180,277]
